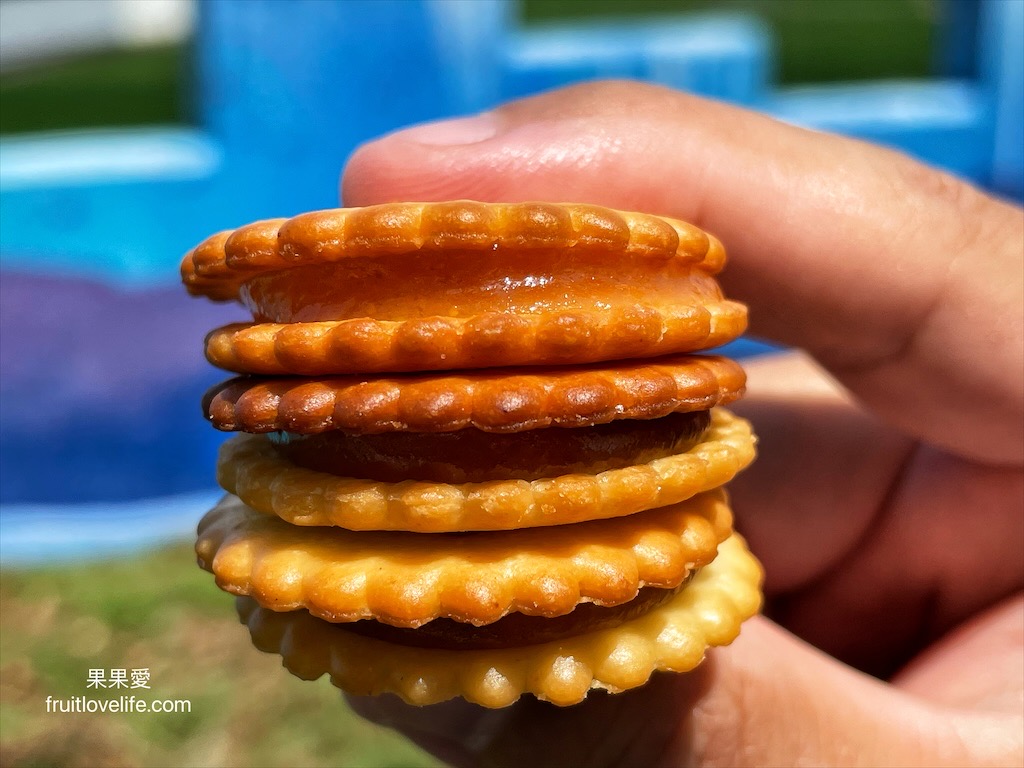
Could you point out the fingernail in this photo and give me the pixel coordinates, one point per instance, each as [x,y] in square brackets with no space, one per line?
[452,133]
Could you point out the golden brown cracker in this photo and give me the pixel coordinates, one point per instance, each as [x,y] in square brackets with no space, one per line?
[674,637]
[491,401]
[408,579]
[217,267]
[366,345]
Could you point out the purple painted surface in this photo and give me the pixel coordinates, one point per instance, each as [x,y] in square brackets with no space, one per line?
[100,389]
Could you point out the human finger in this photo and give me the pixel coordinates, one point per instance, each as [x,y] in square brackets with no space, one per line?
[768,699]
[903,281]
[839,506]
[823,469]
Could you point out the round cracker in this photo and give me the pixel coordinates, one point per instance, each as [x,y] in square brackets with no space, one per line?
[366,345]
[408,579]
[250,468]
[217,267]
[506,401]
[673,637]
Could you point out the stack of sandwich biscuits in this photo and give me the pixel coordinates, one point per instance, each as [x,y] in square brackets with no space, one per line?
[478,455]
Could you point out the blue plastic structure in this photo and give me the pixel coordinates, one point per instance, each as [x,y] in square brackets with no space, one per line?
[94,223]
[285,91]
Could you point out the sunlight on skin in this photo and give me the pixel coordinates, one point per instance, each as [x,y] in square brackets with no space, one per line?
[886,502]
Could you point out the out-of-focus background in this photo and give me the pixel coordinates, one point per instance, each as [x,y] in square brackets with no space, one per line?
[131,129]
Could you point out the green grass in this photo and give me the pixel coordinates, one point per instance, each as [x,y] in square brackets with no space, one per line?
[121,87]
[817,41]
[160,612]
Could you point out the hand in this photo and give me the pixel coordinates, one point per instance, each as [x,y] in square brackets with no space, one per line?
[887,503]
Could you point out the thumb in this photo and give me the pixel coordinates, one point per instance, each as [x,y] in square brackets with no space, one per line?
[769,699]
[901,280]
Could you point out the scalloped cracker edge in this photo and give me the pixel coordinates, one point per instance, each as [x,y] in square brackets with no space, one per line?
[250,468]
[218,266]
[673,637]
[496,339]
[506,401]
[408,579]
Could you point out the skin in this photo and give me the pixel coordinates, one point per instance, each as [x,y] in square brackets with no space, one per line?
[886,503]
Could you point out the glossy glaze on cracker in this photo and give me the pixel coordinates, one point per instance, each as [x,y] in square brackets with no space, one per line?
[509,400]
[490,340]
[217,267]
[472,456]
[467,284]
[249,467]
[408,579]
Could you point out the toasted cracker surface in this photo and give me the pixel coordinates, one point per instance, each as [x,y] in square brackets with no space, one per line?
[408,579]
[491,401]
[218,266]
[366,345]
[250,468]
[674,637]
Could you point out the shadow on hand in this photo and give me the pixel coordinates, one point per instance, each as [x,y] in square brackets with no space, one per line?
[638,728]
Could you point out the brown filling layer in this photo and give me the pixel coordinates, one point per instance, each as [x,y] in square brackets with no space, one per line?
[471,456]
[466,283]
[516,629]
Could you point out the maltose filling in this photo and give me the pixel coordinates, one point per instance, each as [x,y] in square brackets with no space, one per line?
[470,455]
[467,283]
[516,629]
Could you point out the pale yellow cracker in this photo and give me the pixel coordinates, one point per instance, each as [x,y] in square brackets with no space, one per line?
[408,579]
[673,637]
[252,469]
